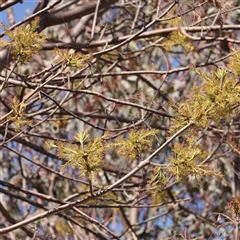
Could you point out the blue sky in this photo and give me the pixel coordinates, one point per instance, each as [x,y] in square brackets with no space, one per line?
[20,11]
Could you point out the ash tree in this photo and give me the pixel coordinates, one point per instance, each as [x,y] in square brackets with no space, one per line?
[120,120]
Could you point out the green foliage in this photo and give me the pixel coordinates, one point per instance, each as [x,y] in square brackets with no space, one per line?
[234,63]
[159,178]
[137,142]
[71,58]
[195,110]
[17,117]
[216,99]
[177,38]
[223,94]
[187,162]
[176,21]
[160,196]
[88,157]
[25,41]
[82,138]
